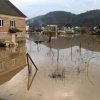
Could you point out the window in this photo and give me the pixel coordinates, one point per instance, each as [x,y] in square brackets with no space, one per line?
[1,23]
[12,23]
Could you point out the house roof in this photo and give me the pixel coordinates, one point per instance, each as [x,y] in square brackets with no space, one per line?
[68,25]
[7,8]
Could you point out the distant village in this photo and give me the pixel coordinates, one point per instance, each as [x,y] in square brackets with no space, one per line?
[66,30]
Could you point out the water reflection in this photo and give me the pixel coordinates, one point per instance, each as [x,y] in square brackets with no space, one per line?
[69,55]
[12,60]
[59,73]
[78,65]
[31,78]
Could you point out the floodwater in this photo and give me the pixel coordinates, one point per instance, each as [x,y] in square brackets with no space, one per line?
[68,69]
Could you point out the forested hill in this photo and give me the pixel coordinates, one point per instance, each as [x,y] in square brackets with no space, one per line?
[62,18]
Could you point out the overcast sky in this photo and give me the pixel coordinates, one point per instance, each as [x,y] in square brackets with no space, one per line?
[33,8]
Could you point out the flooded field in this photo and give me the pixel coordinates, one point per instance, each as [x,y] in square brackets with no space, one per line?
[68,69]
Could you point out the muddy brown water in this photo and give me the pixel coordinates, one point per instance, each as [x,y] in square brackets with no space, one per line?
[68,69]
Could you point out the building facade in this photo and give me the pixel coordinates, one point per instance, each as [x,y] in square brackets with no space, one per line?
[11,18]
[50,29]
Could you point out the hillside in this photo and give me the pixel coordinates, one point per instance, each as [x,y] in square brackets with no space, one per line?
[61,18]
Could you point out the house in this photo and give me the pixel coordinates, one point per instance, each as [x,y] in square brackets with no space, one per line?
[12,23]
[50,29]
[68,28]
[96,30]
